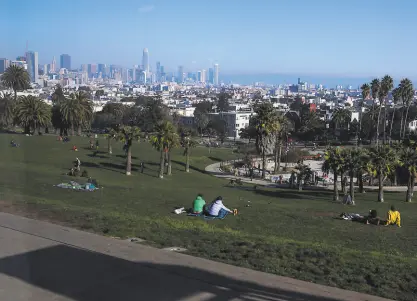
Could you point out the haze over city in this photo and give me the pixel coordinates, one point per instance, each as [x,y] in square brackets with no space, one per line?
[327,39]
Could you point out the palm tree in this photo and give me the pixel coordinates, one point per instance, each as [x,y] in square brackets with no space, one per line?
[408,160]
[127,135]
[333,160]
[16,78]
[382,160]
[396,96]
[266,122]
[32,113]
[280,134]
[110,136]
[7,105]
[77,111]
[164,138]
[385,87]
[366,91]
[341,117]
[353,161]
[375,86]
[407,94]
[187,143]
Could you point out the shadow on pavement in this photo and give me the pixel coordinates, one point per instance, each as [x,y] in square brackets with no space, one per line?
[82,275]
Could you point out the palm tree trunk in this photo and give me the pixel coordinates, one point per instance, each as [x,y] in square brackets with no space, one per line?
[401,124]
[187,159]
[278,157]
[72,130]
[300,183]
[377,125]
[129,160]
[15,95]
[79,130]
[359,142]
[392,122]
[161,164]
[335,188]
[385,124]
[405,121]
[263,164]
[351,187]
[360,179]
[169,167]
[109,148]
[380,187]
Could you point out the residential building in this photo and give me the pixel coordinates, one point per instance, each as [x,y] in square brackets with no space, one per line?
[4,64]
[32,62]
[233,122]
[65,61]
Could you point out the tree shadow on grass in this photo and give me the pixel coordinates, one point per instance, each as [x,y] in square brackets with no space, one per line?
[97,156]
[124,157]
[90,165]
[83,275]
[215,159]
[113,166]
[191,166]
[294,194]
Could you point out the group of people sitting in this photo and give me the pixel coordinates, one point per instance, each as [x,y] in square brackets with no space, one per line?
[215,209]
[14,144]
[393,217]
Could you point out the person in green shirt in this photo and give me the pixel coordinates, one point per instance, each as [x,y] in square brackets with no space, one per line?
[198,204]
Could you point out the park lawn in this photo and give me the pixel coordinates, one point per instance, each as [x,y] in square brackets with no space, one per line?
[285,232]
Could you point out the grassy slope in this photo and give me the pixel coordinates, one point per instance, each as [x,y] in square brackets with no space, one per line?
[283,231]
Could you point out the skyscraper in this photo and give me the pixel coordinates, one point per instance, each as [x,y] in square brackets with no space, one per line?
[65,61]
[158,71]
[199,76]
[211,76]
[4,64]
[53,65]
[145,60]
[203,76]
[32,62]
[216,74]
[102,69]
[180,77]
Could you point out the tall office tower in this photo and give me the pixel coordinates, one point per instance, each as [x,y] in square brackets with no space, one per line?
[211,76]
[180,77]
[65,61]
[199,76]
[162,71]
[4,64]
[216,74]
[53,65]
[101,68]
[92,70]
[158,71]
[32,62]
[45,69]
[203,76]
[145,60]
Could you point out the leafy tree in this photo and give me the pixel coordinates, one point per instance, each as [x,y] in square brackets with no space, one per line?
[165,138]
[385,87]
[58,121]
[353,160]
[248,132]
[266,122]
[203,107]
[303,174]
[7,105]
[382,159]
[341,118]
[153,112]
[201,121]
[333,160]
[58,95]
[408,160]
[223,101]
[128,134]
[32,113]
[366,92]
[99,93]
[16,78]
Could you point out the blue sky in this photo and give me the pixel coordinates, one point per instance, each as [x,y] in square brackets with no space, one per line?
[325,37]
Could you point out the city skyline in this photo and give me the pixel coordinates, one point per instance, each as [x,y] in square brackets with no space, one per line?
[306,37]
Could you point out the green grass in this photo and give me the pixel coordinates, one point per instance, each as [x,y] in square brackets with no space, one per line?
[285,232]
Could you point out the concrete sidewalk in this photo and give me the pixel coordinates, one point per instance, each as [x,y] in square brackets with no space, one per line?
[41,262]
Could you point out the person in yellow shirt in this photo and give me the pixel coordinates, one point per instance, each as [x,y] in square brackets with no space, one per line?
[394,217]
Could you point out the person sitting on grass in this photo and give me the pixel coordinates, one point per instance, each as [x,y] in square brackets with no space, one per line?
[198,204]
[372,218]
[394,217]
[217,209]
[75,149]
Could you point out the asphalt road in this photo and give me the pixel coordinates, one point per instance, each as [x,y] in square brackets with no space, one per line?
[43,262]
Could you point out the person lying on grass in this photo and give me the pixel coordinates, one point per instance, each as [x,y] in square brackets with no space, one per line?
[217,209]
[373,218]
[393,217]
[198,204]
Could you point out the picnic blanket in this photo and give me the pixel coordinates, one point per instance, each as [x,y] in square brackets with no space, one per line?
[351,216]
[76,186]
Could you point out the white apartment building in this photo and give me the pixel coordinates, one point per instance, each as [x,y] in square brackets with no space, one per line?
[234,122]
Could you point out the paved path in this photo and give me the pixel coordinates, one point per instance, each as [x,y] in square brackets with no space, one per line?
[45,262]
